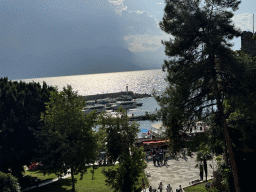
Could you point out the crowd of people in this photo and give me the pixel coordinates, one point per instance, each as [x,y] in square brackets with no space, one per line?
[160,156]
[168,188]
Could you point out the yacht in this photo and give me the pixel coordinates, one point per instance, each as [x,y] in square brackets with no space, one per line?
[124,104]
[98,108]
[91,102]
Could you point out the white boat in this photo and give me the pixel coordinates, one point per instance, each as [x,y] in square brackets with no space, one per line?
[91,102]
[124,105]
[98,108]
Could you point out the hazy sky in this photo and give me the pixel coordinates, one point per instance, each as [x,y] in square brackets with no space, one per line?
[31,30]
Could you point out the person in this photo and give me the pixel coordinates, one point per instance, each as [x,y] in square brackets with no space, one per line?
[165,159]
[169,188]
[180,189]
[157,158]
[161,159]
[150,189]
[160,187]
[154,160]
[143,184]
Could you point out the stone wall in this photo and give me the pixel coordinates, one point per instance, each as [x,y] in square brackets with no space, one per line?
[248,45]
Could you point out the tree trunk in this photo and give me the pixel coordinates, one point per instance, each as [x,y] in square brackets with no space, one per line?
[73,180]
[201,172]
[205,168]
[226,161]
[227,139]
[224,125]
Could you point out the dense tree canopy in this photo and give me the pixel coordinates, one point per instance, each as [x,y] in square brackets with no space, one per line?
[120,138]
[8,183]
[120,133]
[21,105]
[202,69]
[69,141]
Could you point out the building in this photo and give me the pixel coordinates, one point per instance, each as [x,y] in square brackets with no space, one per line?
[248,45]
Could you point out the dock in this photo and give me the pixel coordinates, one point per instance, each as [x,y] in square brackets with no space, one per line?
[114,95]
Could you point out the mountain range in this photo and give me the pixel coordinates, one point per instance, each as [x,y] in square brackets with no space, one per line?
[85,61]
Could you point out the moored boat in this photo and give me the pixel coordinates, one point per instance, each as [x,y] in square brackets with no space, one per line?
[124,105]
[98,108]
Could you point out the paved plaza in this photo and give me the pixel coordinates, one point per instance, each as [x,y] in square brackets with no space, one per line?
[178,172]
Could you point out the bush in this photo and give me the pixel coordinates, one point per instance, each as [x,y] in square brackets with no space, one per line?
[8,183]
[207,186]
[217,181]
[213,190]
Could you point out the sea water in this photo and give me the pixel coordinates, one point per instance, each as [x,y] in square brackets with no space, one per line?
[137,81]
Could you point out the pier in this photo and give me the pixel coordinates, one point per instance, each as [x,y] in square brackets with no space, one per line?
[114,95]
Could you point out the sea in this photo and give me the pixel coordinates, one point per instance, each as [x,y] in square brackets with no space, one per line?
[137,81]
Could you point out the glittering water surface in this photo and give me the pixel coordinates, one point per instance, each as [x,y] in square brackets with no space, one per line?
[137,81]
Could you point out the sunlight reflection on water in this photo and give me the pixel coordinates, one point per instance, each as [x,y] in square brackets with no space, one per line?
[138,82]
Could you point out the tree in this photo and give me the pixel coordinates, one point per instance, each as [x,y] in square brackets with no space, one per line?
[67,136]
[21,105]
[126,176]
[203,156]
[8,183]
[120,134]
[202,69]
[120,140]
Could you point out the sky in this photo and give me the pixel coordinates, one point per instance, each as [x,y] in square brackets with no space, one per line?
[34,30]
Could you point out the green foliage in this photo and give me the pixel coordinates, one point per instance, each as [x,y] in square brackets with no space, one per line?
[198,188]
[21,105]
[68,141]
[8,183]
[214,189]
[202,68]
[120,138]
[127,175]
[118,133]
[203,155]
[221,176]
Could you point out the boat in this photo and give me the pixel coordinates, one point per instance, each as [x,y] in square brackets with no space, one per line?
[91,102]
[127,98]
[106,101]
[139,104]
[98,108]
[124,105]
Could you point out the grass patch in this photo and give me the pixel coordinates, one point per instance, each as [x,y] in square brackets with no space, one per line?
[198,188]
[40,175]
[86,184]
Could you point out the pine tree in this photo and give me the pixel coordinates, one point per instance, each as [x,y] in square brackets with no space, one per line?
[202,68]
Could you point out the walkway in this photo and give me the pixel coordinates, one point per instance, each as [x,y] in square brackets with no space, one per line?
[178,172]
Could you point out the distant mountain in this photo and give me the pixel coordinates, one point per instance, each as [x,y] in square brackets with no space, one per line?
[102,59]
[77,62]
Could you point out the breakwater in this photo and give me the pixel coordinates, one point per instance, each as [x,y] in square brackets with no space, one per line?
[114,95]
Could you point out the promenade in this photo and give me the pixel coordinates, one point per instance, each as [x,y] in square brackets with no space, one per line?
[178,172]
